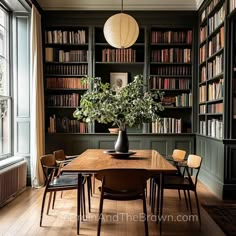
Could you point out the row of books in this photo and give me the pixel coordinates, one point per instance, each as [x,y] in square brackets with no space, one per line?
[203,74]
[67,100]
[216,20]
[211,6]
[65,125]
[215,108]
[215,90]
[202,93]
[65,36]
[170,83]
[56,55]
[167,125]
[232,5]
[202,53]
[208,9]
[171,55]
[202,109]
[211,108]
[71,83]
[118,55]
[67,69]
[213,129]
[216,43]
[172,70]
[171,37]
[182,100]
[215,67]
[203,33]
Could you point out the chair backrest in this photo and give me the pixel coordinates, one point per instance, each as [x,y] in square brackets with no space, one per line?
[194,162]
[47,162]
[59,155]
[178,154]
[131,180]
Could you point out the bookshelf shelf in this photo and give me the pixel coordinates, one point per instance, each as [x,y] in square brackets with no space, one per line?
[66,61]
[211,69]
[171,72]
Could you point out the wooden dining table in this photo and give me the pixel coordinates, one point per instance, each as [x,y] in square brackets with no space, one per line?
[94,160]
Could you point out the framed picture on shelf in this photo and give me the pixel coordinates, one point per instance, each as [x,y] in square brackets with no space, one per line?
[118,80]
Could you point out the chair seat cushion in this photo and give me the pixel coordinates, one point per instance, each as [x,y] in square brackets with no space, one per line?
[121,195]
[64,180]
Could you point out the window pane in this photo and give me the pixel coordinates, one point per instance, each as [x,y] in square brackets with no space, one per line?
[2,17]
[5,134]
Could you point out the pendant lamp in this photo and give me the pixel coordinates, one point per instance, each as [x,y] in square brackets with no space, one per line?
[121,30]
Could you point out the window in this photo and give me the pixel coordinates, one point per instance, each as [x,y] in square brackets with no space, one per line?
[5,95]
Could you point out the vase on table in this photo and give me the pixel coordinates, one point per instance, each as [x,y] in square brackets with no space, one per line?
[122,142]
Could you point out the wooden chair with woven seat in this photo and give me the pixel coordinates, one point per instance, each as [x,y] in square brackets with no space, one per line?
[63,159]
[55,181]
[122,185]
[184,182]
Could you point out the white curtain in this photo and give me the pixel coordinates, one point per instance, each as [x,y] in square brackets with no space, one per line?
[37,100]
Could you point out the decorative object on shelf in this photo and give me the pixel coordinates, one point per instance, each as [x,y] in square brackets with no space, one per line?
[129,107]
[121,30]
[118,80]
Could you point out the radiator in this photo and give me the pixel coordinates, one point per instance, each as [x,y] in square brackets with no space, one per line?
[12,180]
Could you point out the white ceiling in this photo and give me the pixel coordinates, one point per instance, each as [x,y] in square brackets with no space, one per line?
[146,5]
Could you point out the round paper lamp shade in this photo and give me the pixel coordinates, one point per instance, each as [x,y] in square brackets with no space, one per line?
[121,30]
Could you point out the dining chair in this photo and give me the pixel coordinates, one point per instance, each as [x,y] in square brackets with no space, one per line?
[187,182]
[55,181]
[177,156]
[63,159]
[122,185]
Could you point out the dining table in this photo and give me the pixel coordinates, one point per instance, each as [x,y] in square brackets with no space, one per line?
[93,160]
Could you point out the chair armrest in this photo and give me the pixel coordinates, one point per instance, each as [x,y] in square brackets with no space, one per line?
[71,157]
[63,162]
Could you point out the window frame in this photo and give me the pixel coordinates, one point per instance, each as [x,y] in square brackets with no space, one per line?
[9,95]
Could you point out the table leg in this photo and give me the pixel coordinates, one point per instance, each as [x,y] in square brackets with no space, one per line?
[79,202]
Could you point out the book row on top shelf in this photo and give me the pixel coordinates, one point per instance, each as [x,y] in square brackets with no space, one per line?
[210,9]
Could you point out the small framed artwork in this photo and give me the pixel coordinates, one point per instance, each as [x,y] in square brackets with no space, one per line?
[118,80]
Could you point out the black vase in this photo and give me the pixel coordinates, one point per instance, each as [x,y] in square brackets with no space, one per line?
[122,142]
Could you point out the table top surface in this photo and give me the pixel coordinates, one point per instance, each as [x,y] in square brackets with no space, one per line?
[93,160]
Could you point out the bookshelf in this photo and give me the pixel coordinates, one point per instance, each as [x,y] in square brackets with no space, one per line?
[211,70]
[66,62]
[171,61]
[109,61]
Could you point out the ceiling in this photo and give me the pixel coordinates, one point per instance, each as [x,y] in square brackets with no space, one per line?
[145,5]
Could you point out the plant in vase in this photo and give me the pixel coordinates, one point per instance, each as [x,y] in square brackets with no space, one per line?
[130,107]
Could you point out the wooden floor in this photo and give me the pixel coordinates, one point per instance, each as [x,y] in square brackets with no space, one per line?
[21,216]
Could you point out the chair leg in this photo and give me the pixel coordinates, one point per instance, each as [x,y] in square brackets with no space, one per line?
[84,205]
[198,208]
[179,194]
[158,203]
[154,186]
[145,214]
[54,198]
[161,205]
[49,202]
[61,194]
[43,202]
[100,215]
[190,204]
[94,187]
[186,201]
[150,191]
[89,192]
